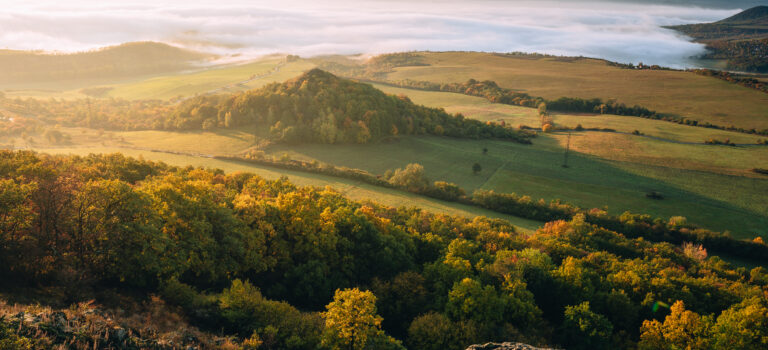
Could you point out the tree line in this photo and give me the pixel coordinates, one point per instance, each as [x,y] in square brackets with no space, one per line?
[286,267]
[412,178]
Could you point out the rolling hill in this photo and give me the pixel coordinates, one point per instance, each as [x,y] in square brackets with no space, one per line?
[741,40]
[126,60]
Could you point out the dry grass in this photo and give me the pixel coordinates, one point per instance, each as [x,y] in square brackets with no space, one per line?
[690,95]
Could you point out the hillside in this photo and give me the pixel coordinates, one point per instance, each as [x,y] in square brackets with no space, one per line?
[756,15]
[749,24]
[320,107]
[126,60]
[741,40]
[271,265]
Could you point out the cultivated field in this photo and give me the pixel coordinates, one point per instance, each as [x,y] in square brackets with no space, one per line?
[682,93]
[220,79]
[481,109]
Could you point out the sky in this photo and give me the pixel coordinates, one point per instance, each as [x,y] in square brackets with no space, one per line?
[616,30]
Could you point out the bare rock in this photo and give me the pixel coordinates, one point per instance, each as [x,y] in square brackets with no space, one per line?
[505,346]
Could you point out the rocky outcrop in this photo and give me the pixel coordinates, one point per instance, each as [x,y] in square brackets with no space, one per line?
[505,346]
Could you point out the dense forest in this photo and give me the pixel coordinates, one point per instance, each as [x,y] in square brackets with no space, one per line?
[278,266]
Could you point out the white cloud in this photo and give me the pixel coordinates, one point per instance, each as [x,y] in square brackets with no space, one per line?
[617,31]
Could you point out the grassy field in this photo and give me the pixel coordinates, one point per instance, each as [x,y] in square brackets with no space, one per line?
[228,78]
[481,109]
[184,84]
[717,201]
[686,94]
[353,189]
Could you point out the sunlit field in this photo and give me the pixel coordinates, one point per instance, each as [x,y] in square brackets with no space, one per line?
[384,175]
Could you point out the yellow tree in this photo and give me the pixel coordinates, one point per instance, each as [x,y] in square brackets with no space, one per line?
[682,329]
[351,322]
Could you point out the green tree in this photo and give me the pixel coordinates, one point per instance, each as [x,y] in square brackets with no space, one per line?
[743,326]
[584,329]
[435,331]
[412,178]
[469,300]
[477,168]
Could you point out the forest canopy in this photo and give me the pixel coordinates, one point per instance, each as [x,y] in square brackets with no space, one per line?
[286,267]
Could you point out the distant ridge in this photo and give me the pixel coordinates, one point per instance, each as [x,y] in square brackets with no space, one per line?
[746,25]
[757,13]
[129,59]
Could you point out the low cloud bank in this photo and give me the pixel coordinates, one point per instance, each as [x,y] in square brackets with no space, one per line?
[617,31]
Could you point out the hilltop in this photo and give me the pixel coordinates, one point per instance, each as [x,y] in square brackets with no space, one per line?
[757,14]
[748,24]
[321,107]
[741,40]
[125,60]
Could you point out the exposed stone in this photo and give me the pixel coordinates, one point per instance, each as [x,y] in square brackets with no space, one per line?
[505,346]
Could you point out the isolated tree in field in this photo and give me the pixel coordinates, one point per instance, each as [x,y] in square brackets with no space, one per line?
[476,168]
[485,150]
[542,109]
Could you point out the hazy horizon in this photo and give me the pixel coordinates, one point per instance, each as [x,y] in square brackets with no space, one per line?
[622,31]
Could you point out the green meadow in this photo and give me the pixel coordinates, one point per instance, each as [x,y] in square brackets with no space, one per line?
[717,201]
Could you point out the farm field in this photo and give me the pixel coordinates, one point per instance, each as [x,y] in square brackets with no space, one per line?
[226,78]
[183,84]
[482,109]
[686,94]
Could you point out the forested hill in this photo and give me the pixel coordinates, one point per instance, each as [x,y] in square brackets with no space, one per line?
[320,107]
[748,24]
[130,59]
[270,265]
[741,39]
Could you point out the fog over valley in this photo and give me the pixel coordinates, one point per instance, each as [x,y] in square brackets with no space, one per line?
[616,30]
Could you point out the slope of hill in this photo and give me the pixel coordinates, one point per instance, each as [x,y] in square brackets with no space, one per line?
[320,107]
[672,92]
[757,14]
[130,59]
[741,39]
[748,24]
